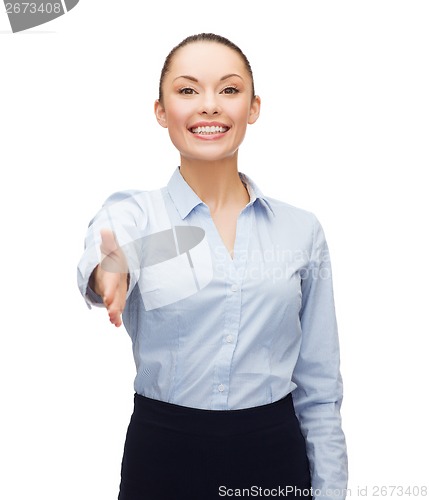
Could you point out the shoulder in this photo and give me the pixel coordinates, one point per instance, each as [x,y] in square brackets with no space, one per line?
[129,205]
[133,198]
[299,227]
[285,212]
[128,196]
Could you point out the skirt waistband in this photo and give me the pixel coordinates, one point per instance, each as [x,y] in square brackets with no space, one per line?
[170,416]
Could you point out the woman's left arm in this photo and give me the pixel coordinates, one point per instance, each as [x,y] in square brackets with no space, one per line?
[319,391]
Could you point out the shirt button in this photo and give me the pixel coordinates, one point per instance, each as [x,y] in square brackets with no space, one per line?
[221,388]
[234,288]
[229,339]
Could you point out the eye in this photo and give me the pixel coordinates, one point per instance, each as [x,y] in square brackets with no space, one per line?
[230,90]
[187,91]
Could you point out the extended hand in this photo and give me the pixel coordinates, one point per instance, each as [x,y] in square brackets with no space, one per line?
[110,278]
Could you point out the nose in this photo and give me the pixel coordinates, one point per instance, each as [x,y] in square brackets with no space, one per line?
[210,104]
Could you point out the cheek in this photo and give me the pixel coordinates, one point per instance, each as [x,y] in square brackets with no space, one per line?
[240,113]
[177,112]
[175,117]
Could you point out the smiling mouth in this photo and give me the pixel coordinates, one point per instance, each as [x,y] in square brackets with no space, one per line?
[209,130]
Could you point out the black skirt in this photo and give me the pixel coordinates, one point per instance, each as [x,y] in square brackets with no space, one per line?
[175,452]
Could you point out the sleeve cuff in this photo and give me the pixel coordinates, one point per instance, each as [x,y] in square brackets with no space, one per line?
[93,298]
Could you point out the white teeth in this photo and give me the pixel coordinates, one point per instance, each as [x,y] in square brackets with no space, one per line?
[209,130]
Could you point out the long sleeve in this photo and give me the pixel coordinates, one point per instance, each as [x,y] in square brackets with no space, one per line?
[122,215]
[319,391]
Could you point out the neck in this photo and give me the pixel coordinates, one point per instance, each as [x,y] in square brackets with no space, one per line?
[217,184]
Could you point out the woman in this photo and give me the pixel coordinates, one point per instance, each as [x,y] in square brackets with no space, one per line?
[227,297]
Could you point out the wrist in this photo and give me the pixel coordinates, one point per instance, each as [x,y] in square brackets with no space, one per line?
[92,282]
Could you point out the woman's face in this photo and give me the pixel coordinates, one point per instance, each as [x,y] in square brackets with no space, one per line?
[208,85]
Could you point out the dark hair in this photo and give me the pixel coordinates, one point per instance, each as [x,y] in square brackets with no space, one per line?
[203,37]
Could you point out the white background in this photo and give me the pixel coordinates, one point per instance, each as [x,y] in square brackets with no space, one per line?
[343,133]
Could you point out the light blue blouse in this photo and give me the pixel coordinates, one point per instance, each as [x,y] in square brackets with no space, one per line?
[215,332]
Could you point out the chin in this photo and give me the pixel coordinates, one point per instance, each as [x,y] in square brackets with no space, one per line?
[208,158]
[209,154]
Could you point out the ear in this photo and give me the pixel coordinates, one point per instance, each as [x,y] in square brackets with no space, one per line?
[255,108]
[160,113]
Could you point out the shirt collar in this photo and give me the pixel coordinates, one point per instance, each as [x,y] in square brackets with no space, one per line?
[185,198]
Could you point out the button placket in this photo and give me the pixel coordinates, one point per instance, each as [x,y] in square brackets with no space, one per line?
[232,273]
[233,306]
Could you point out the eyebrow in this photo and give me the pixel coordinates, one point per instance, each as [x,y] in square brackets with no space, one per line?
[193,79]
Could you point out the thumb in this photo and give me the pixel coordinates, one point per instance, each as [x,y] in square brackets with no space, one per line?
[113,259]
[108,241]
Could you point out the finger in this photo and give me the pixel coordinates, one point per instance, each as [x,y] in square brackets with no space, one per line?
[115,318]
[115,311]
[111,282]
[116,306]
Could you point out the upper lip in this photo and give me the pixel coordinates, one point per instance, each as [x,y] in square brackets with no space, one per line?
[208,124]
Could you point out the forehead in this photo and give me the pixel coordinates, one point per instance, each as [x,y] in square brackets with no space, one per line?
[207,58]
